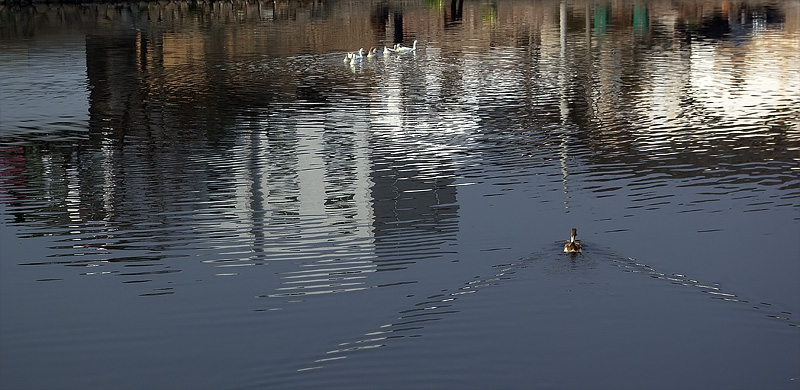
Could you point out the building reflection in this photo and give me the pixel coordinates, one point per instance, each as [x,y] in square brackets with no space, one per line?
[186,107]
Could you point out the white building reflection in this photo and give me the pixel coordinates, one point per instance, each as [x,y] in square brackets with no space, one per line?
[372,167]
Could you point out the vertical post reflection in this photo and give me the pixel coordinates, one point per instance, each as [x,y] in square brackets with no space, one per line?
[563,86]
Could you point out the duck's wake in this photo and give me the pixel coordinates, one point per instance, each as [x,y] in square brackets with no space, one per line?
[437,307]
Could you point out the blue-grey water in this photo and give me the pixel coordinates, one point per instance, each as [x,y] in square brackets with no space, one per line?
[206,195]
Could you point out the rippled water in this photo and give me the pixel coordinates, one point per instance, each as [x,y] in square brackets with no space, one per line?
[208,196]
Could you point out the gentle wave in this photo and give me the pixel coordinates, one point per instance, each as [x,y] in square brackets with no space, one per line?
[413,321]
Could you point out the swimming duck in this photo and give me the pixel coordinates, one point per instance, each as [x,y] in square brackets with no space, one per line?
[387,51]
[573,245]
[372,52]
[353,57]
[403,49]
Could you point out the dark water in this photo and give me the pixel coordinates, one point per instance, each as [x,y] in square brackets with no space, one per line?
[207,196]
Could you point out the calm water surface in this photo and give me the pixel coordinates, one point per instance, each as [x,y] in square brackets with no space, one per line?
[208,196]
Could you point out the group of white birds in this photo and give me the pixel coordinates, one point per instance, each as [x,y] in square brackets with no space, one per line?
[354,57]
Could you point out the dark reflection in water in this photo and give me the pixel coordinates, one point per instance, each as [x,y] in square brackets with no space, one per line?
[198,155]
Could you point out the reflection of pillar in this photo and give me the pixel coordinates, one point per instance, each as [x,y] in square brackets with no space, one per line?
[591,112]
[116,109]
[257,190]
[397,35]
[563,25]
[601,13]
[310,172]
[562,72]
[363,184]
[378,20]
[456,13]
[588,26]
[112,64]
[456,9]
[563,98]
[640,18]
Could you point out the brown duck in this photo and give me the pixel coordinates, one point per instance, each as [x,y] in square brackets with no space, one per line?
[573,245]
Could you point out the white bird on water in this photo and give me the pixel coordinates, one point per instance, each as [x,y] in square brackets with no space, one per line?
[403,49]
[352,58]
[359,55]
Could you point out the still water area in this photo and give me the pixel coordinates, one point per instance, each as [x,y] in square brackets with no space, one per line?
[207,195]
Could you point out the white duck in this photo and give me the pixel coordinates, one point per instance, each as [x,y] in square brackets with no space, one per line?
[359,55]
[400,49]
